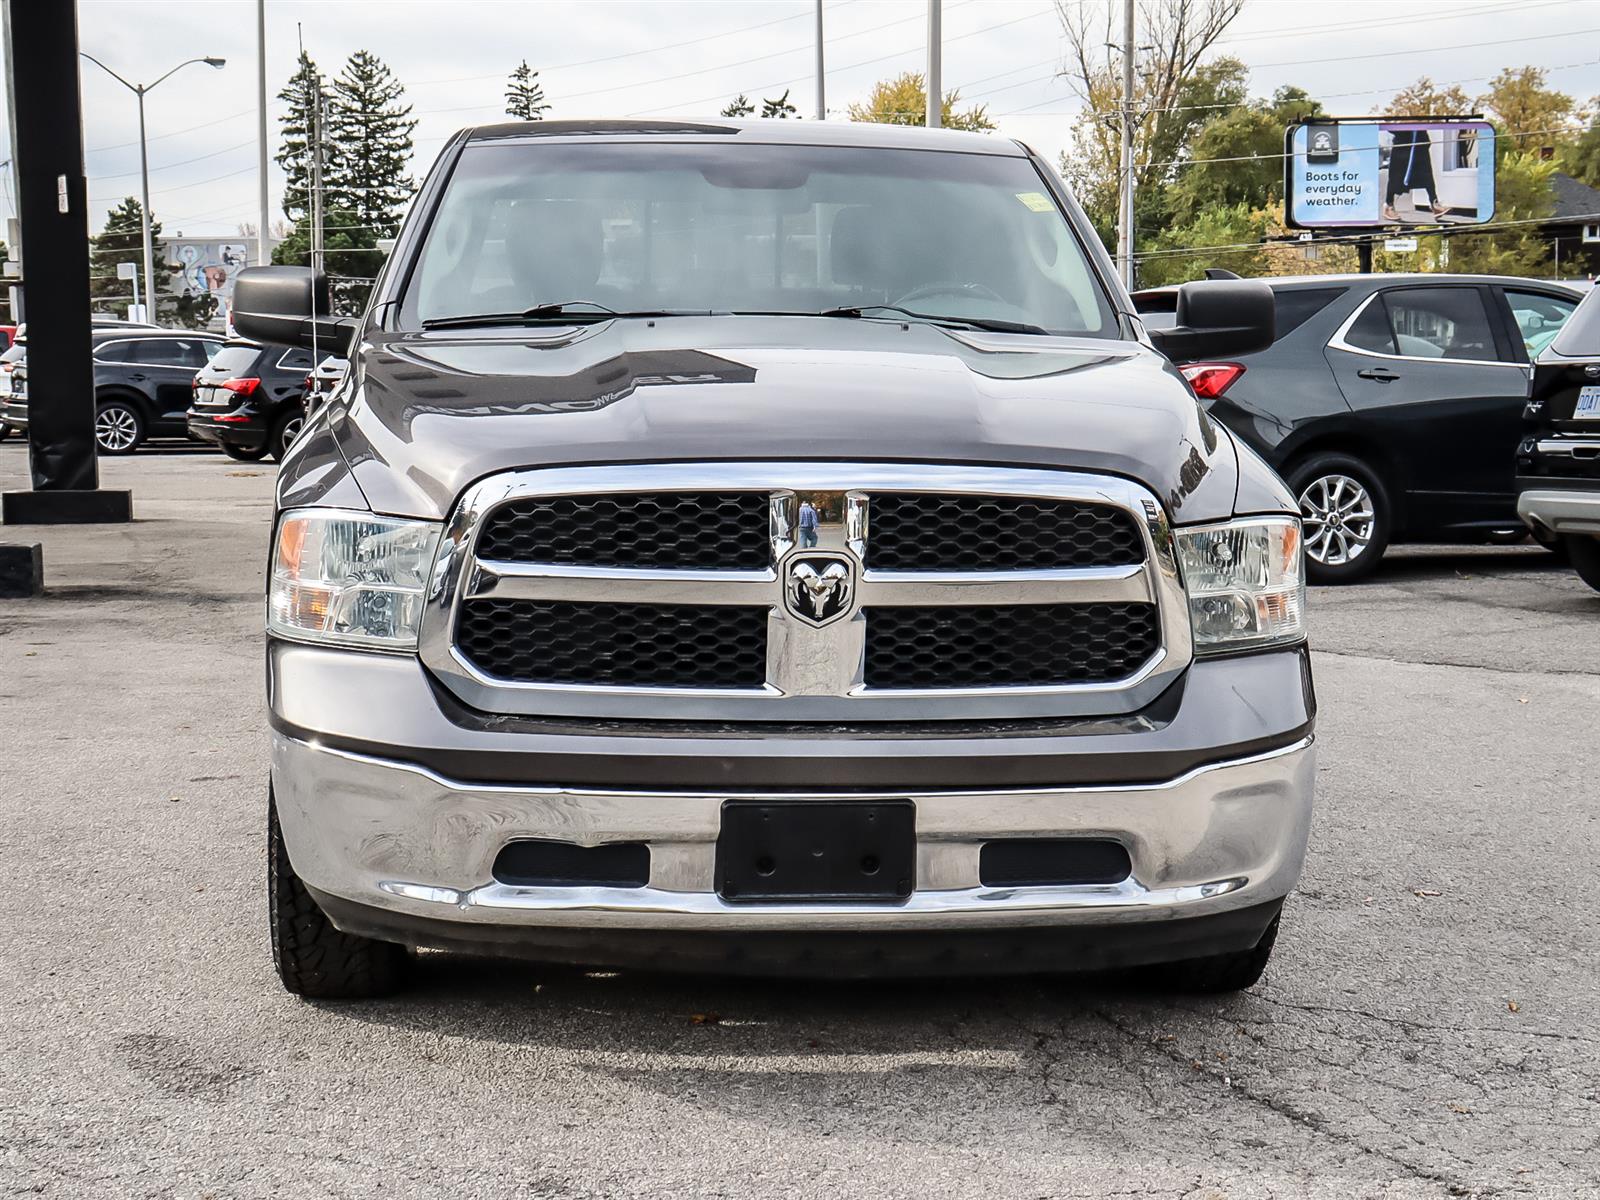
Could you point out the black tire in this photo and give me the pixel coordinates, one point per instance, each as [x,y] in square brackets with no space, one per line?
[243,454]
[118,427]
[5,430]
[284,431]
[314,959]
[1584,553]
[1221,972]
[1316,477]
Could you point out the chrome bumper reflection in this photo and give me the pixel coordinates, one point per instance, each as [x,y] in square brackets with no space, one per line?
[1561,510]
[397,837]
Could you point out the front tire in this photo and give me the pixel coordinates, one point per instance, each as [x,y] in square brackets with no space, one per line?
[1584,553]
[314,959]
[1347,514]
[1221,972]
[118,427]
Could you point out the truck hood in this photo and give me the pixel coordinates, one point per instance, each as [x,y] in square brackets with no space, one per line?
[431,413]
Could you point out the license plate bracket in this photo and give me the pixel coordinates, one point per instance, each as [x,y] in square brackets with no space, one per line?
[802,851]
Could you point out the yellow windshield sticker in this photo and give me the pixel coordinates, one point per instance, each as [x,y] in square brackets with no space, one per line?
[1037,201]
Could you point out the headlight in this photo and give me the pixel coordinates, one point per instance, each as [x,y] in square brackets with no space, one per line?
[1246,583]
[350,578]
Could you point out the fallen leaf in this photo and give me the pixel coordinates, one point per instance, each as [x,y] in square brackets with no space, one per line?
[1522,699]
[1460,1108]
[706,1018]
[1425,892]
[243,474]
[1513,1006]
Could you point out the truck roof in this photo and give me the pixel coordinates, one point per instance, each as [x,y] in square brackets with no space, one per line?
[757,132]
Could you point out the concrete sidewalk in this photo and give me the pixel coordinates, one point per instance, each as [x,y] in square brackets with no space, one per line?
[1426,1029]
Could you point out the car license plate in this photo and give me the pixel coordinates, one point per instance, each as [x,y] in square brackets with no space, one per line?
[1588,407]
[808,850]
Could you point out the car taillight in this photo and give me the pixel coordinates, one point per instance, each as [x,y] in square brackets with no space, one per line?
[244,387]
[1210,380]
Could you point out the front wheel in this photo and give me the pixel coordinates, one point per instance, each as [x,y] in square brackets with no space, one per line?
[1221,972]
[118,427]
[1584,553]
[313,958]
[1347,517]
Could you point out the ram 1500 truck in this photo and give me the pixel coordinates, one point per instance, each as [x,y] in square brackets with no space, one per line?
[766,547]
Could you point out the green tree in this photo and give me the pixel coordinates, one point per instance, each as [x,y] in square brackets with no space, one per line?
[351,257]
[739,106]
[1236,156]
[1580,157]
[371,125]
[903,100]
[525,94]
[1220,235]
[1530,113]
[780,108]
[301,96]
[1522,194]
[122,240]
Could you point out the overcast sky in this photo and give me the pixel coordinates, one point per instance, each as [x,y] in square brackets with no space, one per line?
[614,58]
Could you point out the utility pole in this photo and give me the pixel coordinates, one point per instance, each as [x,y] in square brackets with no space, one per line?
[263,252]
[822,100]
[935,90]
[1125,190]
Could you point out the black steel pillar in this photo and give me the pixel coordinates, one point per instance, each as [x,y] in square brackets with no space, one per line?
[47,143]
[1364,255]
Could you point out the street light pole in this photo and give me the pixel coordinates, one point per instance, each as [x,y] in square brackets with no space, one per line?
[139,90]
[935,95]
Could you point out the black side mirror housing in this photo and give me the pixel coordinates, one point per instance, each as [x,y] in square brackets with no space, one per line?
[1219,318]
[288,306]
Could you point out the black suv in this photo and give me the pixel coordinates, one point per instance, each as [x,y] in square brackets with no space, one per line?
[1392,404]
[248,399]
[14,379]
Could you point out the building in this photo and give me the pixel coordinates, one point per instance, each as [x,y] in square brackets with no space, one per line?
[1574,228]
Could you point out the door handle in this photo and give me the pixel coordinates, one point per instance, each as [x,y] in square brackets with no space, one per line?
[1381,374]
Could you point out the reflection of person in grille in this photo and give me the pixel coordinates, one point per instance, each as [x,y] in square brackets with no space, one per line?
[808,524]
[1410,170]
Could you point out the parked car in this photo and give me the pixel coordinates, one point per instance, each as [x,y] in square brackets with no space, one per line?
[323,382]
[8,334]
[885,604]
[13,389]
[249,399]
[1392,404]
[1558,462]
[142,380]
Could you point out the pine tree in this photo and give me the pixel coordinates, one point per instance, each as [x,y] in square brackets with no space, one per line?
[525,95]
[294,149]
[122,240]
[740,107]
[371,125]
[352,259]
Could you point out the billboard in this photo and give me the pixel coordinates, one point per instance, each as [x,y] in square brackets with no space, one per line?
[1354,174]
[203,266]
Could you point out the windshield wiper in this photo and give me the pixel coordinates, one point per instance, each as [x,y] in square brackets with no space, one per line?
[566,312]
[992,325]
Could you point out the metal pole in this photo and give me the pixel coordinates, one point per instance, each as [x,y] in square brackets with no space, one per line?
[316,176]
[263,252]
[935,89]
[135,288]
[144,217]
[821,100]
[1125,196]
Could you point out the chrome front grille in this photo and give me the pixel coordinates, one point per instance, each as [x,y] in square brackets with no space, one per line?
[806,591]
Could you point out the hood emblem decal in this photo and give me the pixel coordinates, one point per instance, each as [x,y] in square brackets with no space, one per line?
[819,588]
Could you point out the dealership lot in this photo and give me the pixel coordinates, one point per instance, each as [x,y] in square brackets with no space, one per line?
[1426,1027]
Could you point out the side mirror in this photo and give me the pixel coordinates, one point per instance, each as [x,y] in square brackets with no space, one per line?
[1219,318]
[288,306]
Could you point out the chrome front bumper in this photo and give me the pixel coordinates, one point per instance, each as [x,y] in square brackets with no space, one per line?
[402,839]
[1561,510]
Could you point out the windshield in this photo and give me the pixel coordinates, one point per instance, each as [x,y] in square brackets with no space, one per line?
[790,229]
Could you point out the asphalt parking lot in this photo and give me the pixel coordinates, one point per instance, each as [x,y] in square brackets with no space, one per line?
[1427,1027]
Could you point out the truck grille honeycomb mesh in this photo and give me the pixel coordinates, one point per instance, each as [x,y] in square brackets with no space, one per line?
[709,530]
[616,645]
[918,531]
[1013,646]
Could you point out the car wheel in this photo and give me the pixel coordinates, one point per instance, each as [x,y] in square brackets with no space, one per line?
[243,453]
[1347,517]
[118,427]
[313,958]
[1218,973]
[1584,553]
[284,433]
[5,431]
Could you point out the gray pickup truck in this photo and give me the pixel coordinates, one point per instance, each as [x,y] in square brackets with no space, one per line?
[776,548]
